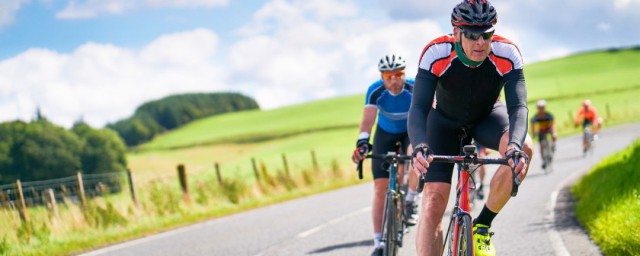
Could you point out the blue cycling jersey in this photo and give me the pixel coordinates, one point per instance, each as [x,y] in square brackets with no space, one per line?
[392,109]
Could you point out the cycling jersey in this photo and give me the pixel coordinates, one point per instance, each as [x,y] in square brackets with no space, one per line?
[465,94]
[544,122]
[392,109]
[587,117]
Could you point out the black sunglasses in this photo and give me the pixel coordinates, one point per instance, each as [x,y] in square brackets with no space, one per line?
[476,36]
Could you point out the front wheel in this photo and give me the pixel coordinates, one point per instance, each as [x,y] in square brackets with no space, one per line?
[390,226]
[465,236]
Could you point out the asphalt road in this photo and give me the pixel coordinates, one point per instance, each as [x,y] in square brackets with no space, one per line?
[539,221]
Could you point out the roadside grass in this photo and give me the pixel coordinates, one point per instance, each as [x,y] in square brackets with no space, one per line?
[161,207]
[609,202]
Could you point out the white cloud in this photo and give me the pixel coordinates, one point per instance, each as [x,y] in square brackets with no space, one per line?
[626,4]
[8,9]
[603,26]
[297,52]
[104,83]
[83,9]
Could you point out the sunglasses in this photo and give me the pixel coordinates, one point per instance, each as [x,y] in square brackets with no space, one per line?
[389,75]
[475,36]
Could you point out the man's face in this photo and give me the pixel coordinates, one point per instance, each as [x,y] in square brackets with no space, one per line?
[541,109]
[393,80]
[476,50]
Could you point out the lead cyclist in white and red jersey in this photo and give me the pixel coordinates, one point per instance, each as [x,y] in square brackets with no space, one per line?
[466,72]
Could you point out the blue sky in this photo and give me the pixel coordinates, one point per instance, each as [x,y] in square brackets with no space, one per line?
[100,59]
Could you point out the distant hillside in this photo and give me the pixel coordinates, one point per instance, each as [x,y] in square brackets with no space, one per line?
[172,112]
[607,77]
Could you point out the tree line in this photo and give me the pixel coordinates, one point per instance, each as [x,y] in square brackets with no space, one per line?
[155,117]
[41,150]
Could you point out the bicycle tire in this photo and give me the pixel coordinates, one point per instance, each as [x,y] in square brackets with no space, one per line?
[547,158]
[465,236]
[390,226]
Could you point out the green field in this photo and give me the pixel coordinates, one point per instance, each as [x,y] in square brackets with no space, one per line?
[330,126]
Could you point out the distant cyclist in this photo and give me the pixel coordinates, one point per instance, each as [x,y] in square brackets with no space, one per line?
[389,100]
[466,72]
[588,116]
[546,126]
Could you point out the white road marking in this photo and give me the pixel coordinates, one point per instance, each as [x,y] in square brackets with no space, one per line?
[554,236]
[331,222]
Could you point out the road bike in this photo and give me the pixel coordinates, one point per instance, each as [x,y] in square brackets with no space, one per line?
[548,150]
[393,225]
[459,238]
[589,137]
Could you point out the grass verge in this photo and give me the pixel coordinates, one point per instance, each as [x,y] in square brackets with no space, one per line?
[609,202]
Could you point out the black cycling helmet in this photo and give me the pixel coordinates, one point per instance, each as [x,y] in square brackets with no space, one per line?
[474,13]
[391,62]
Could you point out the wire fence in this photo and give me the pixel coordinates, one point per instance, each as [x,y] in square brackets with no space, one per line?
[63,189]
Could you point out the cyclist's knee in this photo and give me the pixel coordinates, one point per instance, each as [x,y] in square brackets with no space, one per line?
[380,186]
[435,202]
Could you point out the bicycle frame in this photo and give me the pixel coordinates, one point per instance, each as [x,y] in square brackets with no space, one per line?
[392,226]
[461,206]
[460,215]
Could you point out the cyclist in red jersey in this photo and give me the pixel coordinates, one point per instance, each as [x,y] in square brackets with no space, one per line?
[466,72]
[588,115]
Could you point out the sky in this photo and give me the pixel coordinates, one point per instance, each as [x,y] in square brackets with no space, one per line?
[98,60]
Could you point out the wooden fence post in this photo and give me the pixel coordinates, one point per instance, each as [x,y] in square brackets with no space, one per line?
[22,209]
[286,165]
[255,169]
[314,161]
[218,175]
[182,175]
[80,189]
[132,189]
[49,198]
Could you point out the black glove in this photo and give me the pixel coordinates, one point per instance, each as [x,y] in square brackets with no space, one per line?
[514,152]
[422,148]
[364,143]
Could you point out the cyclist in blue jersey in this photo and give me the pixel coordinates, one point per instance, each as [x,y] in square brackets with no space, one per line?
[466,72]
[389,100]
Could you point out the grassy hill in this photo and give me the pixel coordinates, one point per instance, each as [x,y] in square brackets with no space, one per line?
[329,127]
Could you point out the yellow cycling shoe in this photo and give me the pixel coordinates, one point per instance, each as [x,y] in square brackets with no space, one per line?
[482,241]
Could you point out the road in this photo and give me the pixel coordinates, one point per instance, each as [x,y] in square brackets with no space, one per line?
[537,222]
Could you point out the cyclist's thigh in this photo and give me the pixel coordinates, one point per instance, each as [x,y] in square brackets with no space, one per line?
[489,130]
[442,137]
[383,142]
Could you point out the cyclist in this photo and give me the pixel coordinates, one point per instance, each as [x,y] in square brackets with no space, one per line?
[588,115]
[546,126]
[466,72]
[389,99]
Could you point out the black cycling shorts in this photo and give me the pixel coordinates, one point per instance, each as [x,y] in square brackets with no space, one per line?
[384,142]
[443,137]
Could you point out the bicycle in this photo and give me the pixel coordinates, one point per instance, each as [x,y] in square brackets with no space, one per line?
[548,149]
[588,135]
[459,239]
[393,224]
